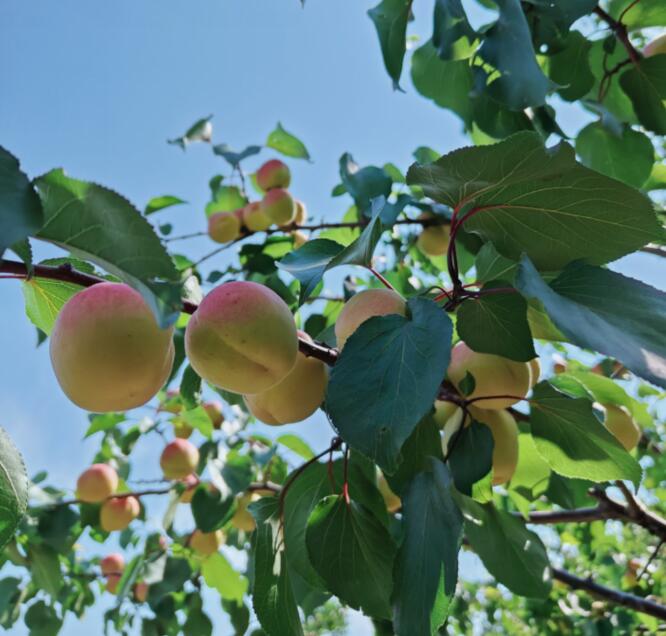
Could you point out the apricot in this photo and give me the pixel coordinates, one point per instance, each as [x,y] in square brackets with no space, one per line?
[140,592]
[504,429]
[449,419]
[206,543]
[535,371]
[107,351]
[118,512]
[493,376]
[113,563]
[243,519]
[619,421]
[179,458]
[299,238]
[214,410]
[112,582]
[96,483]
[392,501]
[365,305]
[273,174]
[254,217]
[656,46]
[224,227]
[296,397]
[242,338]
[433,240]
[278,205]
[181,429]
[301,213]
[191,482]
[172,402]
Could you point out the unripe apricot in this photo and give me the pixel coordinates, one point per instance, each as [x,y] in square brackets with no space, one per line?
[444,411]
[535,371]
[242,338]
[392,501]
[505,439]
[141,592]
[296,397]
[301,213]
[206,543]
[656,46]
[299,238]
[107,350]
[172,402]
[619,421]
[96,483]
[118,512]
[181,429]
[278,205]
[434,240]
[243,519]
[273,174]
[224,227]
[254,218]
[112,583]
[191,482]
[365,305]
[179,458]
[113,563]
[493,375]
[214,410]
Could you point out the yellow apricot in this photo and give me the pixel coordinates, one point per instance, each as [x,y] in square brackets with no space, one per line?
[619,421]
[118,512]
[214,411]
[656,46]
[301,213]
[299,238]
[181,429]
[242,338]
[535,371]
[140,592]
[107,351]
[112,583]
[191,482]
[206,543]
[243,519]
[96,483]
[392,501]
[224,227]
[505,439]
[171,402]
[273,174]
[278,205]
[179,458]
[254,218]
[365,305]
[434,240]
[296,397]
[113,563]
[493,376]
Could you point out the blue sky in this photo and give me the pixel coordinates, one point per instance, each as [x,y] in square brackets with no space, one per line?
[97,87]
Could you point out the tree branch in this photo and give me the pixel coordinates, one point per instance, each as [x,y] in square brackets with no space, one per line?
[621,34]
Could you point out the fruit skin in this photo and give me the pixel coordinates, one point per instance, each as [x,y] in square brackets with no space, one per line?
[243,519]
[279,206]
[299,238]
[618,421]
[364,305]
[273,174]
[392,501]
[242,338]
[448,418]
[171,402]
[118,512]
[224,227]
[214,410]
[140,592]
[181,429]
[535,371]
[107,351]
[433,240]
[505,438]
[493,375]
[296,397]
[191,481]
[179,458]
[254,218]
[96,483]
[113,563]
[301,213]
[206,543]
[112,583]
[656,46]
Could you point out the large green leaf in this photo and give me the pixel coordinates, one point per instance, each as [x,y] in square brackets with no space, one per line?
[98,224]
[20,210]
[13,488]
[286,143]
[273,596]
[387,378]
[390,19]
[550,21]
[219,575]
[471,459]
[210,509]
[449,25]
[570,67]
[514,555]
[601,310]
[529,199]
[574,442]
[353,553]
[645,83]
[432,532]
[42,619]
[363,184]
[45,569]
[639,15]
[44,299]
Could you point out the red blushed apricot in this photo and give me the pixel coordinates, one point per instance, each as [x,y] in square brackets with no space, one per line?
[656,46]
[191,482]
[179,458]
[214,411]
[112,583]
[273,174]
[254,218]
[107,351]
[242,338]
[118,512]
[96,483]
[224,227]
[113,563]
[141,592]
[279,206]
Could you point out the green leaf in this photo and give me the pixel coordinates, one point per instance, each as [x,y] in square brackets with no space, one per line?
[23,250]
[296,444]
[570,67]
[190,388]
[601,310]
[272,596]
[491,265]
[103,422]
[238,471]
[219,575]
[42,620]
[353,553]
[472,457]
[450,24]
[200,130]
[20,210]
[527,199]
[226,199]
[13,488]
[210,510]
[628,157]
[390,19]
[97,224]
[645,13]
[287,144]
[432,529]
[199,419]
[574,442]
[56,527]
[234,158]
[44,298]
[497,323]
[156,204]
[364,184]
[45,569]
[549,21]
[507,47]
[129,577]
[239,616]
[198,623]
[645,84]
[514,555]
[532,474]
[387,378]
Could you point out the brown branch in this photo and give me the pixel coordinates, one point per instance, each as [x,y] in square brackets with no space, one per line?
[654,249]
[578,515]
[621,33]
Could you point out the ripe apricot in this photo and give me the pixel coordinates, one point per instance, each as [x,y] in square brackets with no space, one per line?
[118,512]
[278,205]
[179,458]
[254,217]
[113,563]
[504,429]
[224,227]
[273,174]
[206,543]
[96,483]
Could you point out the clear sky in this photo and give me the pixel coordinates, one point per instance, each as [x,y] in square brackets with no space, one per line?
[97,87]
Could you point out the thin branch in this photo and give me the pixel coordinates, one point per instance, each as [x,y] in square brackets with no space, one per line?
[578,515]
[621,33]
[654,249]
